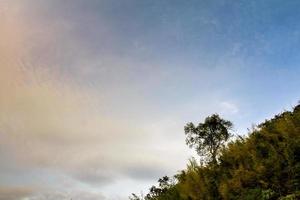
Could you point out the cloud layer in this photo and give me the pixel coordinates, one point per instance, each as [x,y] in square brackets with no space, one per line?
[51,125]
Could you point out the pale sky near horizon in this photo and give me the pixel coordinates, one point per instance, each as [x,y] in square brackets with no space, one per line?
[94,94]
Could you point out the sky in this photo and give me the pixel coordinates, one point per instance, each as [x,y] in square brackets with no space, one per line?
[94,94]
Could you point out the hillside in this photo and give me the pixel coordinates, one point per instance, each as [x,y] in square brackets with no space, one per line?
[263,165]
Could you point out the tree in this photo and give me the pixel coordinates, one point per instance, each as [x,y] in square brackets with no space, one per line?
[166,190]
[156,192]
[208,137]
[135,197]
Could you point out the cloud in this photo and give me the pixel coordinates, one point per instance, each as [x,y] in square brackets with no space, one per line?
[48,122]
[228,108]
[73,107]
[15,193]
[146,172]
[62,195]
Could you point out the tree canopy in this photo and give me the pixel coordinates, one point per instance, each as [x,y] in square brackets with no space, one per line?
[208,137]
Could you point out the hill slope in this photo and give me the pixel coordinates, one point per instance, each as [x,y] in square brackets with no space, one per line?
[264,165]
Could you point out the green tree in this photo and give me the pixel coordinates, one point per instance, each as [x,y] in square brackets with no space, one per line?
[208,137]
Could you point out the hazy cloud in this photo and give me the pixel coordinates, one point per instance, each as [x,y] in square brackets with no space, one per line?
[15,193]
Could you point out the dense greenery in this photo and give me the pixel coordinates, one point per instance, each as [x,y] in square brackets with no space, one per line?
[264,165]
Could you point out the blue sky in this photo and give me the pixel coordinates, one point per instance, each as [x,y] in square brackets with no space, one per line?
[94,94]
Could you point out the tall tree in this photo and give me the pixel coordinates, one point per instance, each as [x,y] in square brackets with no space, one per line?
[208,137]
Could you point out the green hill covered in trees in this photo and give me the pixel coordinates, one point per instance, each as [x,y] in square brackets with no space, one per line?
[263,165]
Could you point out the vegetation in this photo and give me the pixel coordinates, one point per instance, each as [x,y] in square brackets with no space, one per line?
[263,165]
[208,137]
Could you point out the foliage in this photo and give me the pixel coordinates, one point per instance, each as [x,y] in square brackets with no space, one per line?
[208,137]
[263,165]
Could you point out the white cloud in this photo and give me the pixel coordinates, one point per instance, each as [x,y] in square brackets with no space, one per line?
[228,108]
